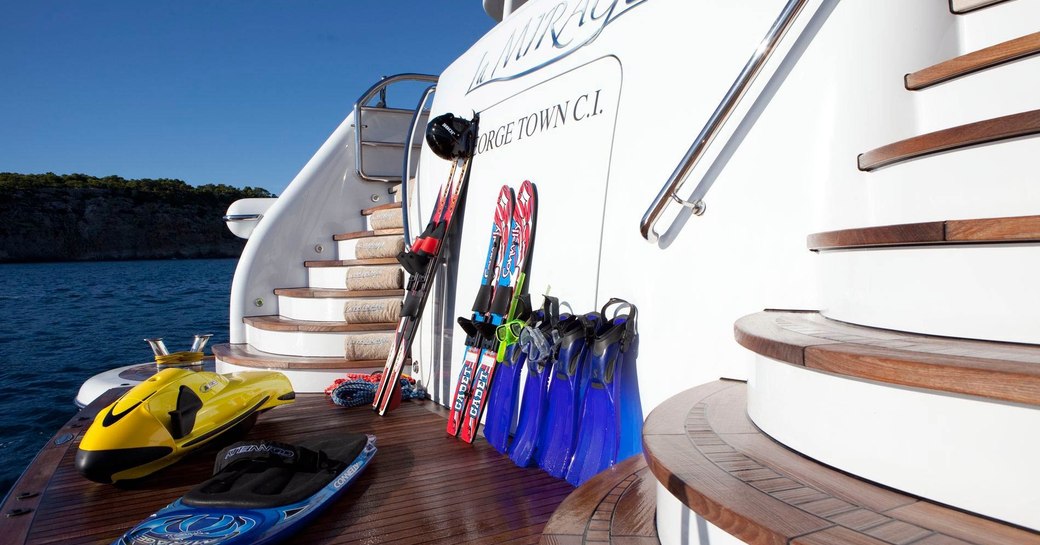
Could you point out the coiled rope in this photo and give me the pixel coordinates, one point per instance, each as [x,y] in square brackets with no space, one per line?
[359,389]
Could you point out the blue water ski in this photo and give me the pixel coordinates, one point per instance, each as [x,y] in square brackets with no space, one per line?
[261,493]
[606,429]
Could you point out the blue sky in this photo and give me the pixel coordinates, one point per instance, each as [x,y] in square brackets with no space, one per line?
[220,91]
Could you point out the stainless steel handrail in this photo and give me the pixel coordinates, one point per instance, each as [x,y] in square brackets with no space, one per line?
[416,117]
[669,193]
[243,217]
[382,84]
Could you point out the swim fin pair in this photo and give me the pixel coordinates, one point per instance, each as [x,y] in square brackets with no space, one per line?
[569,378]
[611,421]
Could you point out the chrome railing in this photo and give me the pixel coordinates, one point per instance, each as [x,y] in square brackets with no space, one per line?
[242,217]
[420,109]
[378,89]
[670,192]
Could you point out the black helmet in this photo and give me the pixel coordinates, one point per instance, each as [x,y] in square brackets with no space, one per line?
[451,137]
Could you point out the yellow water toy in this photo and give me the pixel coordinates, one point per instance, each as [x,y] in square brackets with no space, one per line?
[175,411]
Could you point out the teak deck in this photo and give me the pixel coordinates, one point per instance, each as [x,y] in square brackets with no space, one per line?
[706,451]
[421,487]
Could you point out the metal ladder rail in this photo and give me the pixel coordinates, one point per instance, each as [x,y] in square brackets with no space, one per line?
[406,169]
[379,87]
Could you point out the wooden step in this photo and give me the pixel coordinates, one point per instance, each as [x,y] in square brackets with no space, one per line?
[616,506]
[970,231]
[332,293]
[1002,53]
[964,6]
[352,262]
[703,448]
[993,370]
[279,323]
[367,234]
[244,355]
[387,206]
[963,136]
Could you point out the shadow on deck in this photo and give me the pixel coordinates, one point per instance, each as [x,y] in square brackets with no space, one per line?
[421,487]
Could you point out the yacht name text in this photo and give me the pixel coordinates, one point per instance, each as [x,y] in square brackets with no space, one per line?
[547,37]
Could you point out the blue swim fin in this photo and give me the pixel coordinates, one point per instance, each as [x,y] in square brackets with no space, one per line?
[536,343]
[532,410]
[610,418]
[502,402]
[560,426]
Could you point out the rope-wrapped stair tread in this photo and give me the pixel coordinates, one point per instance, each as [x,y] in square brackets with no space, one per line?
[989,57]
[388,206]
[244,355]
[986,369]
[616,506]
[965,6]
[390,218]
[368,311]
[963,136]
[366,234]
[351,262]
[949,232]
[410,492]
[376,247]
[334,293]
[379,277]
[702,447]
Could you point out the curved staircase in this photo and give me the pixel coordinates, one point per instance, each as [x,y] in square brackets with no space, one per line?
[349,302]
[905,408]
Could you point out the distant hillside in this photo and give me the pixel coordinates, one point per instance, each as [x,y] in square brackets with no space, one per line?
[75,217]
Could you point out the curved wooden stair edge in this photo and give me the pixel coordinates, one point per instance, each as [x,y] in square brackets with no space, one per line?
[963,136]
[703,448]
[991,370]
[616,506]
[976,61]
[950,232]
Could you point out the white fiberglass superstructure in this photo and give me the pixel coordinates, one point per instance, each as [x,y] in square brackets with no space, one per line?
[598,101]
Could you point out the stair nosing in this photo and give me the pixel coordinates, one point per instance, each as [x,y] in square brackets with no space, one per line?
[279,323]
[354,235]
[984,4]
[335,293]
[998,129]
[351,262]
[388,206]
[1007,372]
[1010,229]
[976,61]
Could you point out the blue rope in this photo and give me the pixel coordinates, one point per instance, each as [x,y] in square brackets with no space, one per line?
[355,393]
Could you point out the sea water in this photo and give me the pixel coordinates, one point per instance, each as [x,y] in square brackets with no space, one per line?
[61,323]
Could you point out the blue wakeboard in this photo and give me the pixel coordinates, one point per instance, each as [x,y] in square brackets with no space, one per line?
[255,494]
